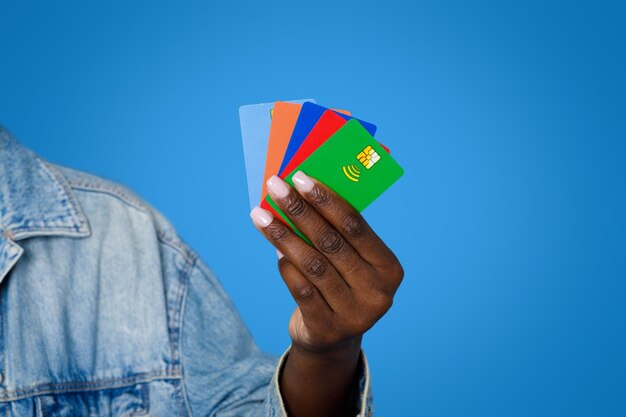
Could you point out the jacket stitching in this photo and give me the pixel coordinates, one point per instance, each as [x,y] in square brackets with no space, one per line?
[4,338]
[180,330]
[108,187]
[143,410]
[39,407]
[113,192]
[43,407]
[74,209]
[183,250]
[170,335]
[43,230]
[96,385]
[179,400]
[174,342]
[145,402]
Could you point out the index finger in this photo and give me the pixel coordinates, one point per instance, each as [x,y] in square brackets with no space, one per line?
[346,220]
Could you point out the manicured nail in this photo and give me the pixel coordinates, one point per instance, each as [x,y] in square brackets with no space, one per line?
[302,182]
[277,187]
[279,254]
[261,217]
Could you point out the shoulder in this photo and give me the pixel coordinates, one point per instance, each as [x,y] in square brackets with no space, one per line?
[81,181]
[109,204]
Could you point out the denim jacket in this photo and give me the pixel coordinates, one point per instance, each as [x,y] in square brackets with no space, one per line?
[104,311]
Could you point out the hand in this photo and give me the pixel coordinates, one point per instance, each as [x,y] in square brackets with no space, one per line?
[344,284]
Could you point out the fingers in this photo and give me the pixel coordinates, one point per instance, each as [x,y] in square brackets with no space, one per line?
[314,310]
[344,218]
[317,285]
[326,239]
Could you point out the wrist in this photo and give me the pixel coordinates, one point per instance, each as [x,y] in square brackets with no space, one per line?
[346,352]
[321,381]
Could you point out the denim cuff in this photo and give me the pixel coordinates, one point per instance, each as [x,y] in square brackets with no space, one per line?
[276,405]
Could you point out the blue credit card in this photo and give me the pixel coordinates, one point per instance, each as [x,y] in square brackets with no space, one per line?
[309,115]
[255,120]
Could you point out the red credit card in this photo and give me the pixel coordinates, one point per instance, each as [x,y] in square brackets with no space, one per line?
[326,126]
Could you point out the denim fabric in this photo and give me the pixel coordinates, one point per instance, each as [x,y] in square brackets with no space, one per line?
[104,311]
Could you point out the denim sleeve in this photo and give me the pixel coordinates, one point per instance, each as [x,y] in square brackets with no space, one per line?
[224,373]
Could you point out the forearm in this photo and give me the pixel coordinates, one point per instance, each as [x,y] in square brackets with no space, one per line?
[322,384]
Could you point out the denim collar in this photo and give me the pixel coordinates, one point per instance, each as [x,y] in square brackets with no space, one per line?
[35,198]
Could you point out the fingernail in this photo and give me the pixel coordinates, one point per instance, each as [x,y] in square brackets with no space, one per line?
[261,217]
[277,187]
[279,254]
[302,182]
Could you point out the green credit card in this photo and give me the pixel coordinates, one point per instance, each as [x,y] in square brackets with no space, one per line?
[353,164]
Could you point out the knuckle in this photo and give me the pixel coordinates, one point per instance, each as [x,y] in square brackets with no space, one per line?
[353,225]
[320,197]
[305,292]
[398,272]
[316,266]
[394,273]
[277,231]
[381,302]
[296,207]
[331,242]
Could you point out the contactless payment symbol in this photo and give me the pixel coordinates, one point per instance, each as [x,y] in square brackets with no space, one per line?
[352,172]
[368,157]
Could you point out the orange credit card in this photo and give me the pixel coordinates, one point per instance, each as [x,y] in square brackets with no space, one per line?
[284,117]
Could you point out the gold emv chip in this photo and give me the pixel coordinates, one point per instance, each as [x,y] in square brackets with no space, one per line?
[368,157]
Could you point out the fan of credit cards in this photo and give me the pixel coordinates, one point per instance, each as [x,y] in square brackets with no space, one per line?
[329,145]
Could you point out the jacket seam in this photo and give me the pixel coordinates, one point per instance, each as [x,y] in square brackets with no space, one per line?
[76,210]
[177,245]
[4,335]
[43,231]
[177,319]
[112,191]
[183,306]
[65,387]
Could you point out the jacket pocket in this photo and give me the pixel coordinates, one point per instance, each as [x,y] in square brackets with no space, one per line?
[117,402]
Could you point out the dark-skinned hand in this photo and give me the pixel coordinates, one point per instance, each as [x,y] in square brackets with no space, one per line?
[342,285]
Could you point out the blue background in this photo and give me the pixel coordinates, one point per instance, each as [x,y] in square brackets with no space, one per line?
[508,117]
